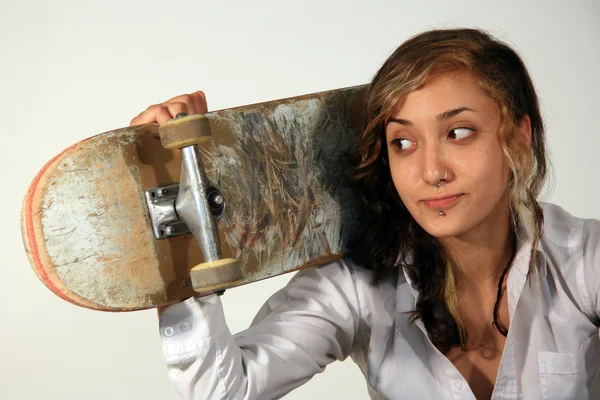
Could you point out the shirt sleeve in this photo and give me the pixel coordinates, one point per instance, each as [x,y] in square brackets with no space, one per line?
[591,262]
[308,324]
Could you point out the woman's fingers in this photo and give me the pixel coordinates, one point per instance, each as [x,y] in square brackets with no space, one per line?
[194,103]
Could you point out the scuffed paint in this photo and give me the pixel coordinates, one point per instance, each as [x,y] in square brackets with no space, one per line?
[288,199]
[90,234]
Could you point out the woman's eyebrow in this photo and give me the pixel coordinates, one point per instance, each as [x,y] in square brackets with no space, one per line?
[452,113]
[440,117]
[400,121]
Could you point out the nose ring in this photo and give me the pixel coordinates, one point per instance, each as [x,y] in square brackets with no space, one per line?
[439,182]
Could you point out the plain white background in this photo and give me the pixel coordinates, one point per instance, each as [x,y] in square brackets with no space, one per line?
[71,69]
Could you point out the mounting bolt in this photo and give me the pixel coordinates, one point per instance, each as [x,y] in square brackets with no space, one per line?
[170,230]
[217,200]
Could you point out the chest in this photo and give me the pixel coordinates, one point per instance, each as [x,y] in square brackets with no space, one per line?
[552,352]
[479,365]
[479,361]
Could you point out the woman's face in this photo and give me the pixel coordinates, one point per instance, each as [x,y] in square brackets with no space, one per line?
[449,127]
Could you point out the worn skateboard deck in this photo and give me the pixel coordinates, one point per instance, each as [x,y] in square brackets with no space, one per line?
[282,167]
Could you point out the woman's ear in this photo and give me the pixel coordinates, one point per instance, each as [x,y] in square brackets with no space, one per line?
[525,129]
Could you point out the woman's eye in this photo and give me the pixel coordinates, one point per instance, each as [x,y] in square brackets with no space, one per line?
[460,133]
[402,144]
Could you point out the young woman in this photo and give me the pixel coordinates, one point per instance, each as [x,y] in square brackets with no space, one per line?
[463,285]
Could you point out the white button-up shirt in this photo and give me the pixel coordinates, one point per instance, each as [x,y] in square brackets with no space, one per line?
[331,312]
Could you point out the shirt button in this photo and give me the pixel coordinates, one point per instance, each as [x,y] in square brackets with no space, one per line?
[186,327]
[458,386]
[168,331]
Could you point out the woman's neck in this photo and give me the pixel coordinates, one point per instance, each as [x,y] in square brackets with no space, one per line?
[483,252]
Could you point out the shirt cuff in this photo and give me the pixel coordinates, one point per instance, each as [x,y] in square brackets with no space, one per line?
[191,326]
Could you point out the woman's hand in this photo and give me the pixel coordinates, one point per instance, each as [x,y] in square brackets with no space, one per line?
[194,103]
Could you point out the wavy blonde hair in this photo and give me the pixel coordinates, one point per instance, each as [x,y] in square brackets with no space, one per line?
[392,233]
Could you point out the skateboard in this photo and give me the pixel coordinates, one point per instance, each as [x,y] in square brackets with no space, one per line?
[146,216]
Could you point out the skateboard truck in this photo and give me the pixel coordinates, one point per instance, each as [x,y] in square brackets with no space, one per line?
[198,204]
[165,221]
[161,206]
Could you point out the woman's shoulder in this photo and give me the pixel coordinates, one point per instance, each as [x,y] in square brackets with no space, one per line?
[571,249]
[564,229]
[569,242]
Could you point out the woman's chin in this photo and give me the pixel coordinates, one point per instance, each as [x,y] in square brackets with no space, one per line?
[445,226]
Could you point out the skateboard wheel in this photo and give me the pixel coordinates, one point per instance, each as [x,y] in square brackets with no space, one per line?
[184,131]
[216,275]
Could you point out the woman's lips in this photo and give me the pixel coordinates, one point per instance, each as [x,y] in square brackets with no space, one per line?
[442,202]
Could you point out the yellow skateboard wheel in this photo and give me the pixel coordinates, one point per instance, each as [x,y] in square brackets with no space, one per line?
[216,275]
[184,131]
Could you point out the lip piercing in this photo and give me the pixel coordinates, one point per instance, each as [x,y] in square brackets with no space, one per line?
[442,214]
[439,182]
